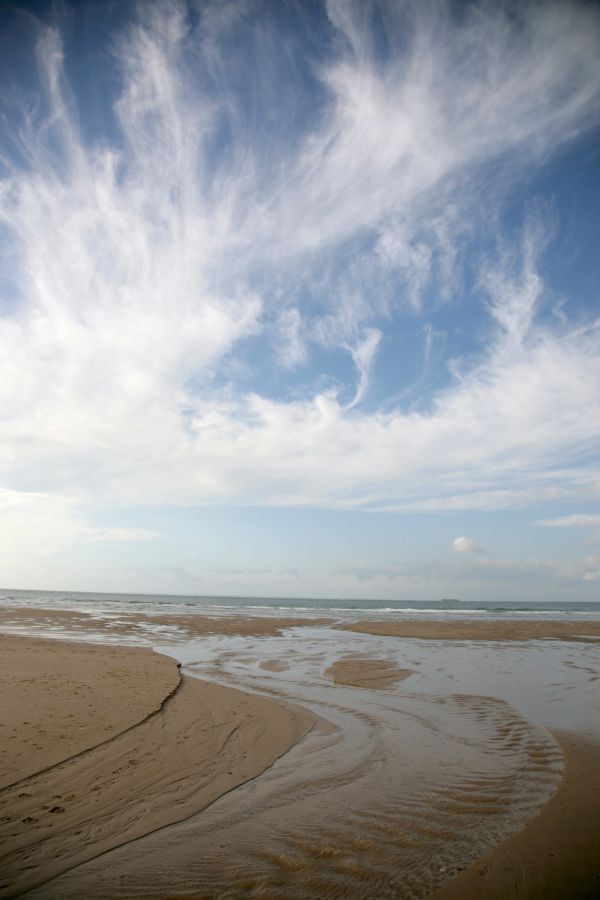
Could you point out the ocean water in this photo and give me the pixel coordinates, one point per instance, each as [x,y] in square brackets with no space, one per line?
[338,608]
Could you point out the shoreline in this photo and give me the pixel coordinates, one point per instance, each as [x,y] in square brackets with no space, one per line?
[145,625]
[193,625]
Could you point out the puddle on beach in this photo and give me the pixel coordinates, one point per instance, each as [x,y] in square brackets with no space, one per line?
[393,792]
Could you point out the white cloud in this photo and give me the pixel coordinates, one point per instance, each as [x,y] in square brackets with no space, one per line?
[363,355]
[466,545]
[577,520]
[412,258]
[37,526]
[291,346]
[459,96]
[136,265]
[34,526]
[588,521]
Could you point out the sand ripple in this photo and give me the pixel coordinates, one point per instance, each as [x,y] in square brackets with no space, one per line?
[388,796]
[204,741]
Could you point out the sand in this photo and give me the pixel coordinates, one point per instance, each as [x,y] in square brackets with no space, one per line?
[557,855]
[190,626]
[102,744]
[463,630]
[168,749]
[141,625]
[59,699]
[366,673]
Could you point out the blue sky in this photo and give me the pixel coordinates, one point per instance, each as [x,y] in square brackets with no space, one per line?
[301,298]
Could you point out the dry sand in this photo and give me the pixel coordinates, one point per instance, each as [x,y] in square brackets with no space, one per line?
[463,630]
[366,672]
[201,741]
[59,699]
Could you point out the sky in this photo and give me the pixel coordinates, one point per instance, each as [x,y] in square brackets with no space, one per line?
[300,298]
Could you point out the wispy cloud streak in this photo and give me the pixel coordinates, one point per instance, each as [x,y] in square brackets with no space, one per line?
[145,261]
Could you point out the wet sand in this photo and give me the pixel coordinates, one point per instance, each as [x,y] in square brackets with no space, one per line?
[463,630]
[389,785]
[143,624]
[557,854]
[366,673]
[170,747]
[196,625]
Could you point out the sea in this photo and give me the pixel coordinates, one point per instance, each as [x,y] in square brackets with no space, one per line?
[109,604]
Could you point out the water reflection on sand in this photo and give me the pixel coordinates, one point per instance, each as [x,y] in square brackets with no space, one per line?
[395,790]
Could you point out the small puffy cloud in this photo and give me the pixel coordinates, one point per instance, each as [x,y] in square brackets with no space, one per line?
[466,545]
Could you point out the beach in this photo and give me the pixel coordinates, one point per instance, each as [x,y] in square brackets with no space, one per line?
[300,450]
[140,748]
[190,755]
[556,854]
[505,630]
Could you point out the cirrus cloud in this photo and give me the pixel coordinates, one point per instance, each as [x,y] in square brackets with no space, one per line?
[204,236]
